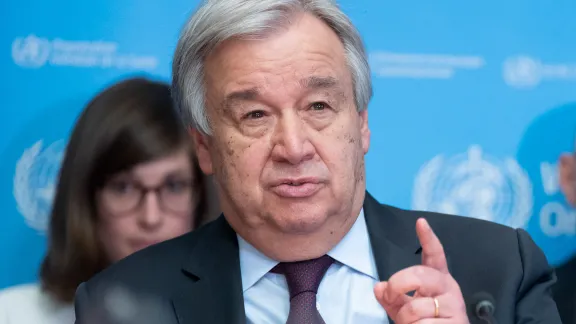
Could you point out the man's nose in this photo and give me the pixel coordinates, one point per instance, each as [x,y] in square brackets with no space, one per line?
[291,140]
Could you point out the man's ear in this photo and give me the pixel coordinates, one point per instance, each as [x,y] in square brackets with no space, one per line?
[567,174]
[202,144]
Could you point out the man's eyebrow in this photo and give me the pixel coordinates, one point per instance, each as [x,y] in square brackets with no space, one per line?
[312,83]
[240,95]
[319,82]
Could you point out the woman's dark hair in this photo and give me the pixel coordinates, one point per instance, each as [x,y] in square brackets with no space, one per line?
[131,122]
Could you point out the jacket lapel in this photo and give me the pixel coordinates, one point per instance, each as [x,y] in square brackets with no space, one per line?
[213,291]
[394,241]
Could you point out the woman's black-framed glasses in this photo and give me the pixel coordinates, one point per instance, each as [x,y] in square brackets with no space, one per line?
[124,196]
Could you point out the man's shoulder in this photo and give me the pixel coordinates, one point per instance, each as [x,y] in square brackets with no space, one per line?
[464,233]
[147,281]
[478,248]
[447,227]
[143,269]
[445,222]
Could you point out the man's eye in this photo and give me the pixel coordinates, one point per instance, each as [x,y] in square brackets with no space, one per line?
[255,114]
[318,106]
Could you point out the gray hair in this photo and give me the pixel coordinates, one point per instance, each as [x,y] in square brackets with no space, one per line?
[218,20]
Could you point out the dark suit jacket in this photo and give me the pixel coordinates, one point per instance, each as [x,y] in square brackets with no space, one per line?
[196,278]
[565,291]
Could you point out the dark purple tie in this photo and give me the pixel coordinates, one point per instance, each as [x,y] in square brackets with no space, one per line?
[303,278]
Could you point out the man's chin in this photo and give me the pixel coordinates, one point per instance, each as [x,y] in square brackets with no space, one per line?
[300,222]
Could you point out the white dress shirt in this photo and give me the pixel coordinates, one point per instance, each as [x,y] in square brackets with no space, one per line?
[345,295]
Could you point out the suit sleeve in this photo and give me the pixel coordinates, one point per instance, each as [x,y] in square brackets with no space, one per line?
[534,300]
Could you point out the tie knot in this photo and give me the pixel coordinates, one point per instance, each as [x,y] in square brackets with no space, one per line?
[304,276]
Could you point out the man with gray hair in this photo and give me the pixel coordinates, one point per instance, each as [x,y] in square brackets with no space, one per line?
[278,91]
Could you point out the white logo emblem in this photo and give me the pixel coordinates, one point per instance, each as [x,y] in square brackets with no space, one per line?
[474,185]
[34,182]
[522,72]
[32,51]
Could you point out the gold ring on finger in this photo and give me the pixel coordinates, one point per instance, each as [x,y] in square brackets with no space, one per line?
[436,307]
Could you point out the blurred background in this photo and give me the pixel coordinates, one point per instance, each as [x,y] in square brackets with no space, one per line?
[473,104]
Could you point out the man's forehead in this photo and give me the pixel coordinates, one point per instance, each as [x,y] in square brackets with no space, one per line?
[254,90]
[314,81]
[319,82]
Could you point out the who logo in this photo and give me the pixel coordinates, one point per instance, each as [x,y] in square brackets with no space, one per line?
[475,185]
[31,52]
[35,181]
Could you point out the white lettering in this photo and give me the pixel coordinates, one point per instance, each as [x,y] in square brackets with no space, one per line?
[69,59]
[471,62]
[415,72]
[135,62]
[557,220]
[85,46]
[559,71]
[549,176]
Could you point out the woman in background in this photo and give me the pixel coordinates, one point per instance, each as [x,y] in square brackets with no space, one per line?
[128,180]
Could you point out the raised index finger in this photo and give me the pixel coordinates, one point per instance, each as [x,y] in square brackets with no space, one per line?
[432,250]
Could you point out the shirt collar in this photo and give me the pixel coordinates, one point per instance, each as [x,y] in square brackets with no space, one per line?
[253,264]
[354,251]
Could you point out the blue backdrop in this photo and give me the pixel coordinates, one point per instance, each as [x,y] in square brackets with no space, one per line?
[473,104]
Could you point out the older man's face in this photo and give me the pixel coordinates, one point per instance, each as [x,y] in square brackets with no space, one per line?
[288,144]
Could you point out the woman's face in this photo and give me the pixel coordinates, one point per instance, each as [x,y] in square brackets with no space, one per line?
[150,203]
